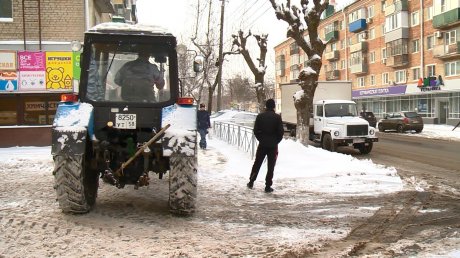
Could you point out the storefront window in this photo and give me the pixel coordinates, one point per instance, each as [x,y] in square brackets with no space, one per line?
[8,113]
[455,106]
[39,110]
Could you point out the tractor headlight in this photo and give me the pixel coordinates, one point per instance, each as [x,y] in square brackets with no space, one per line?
[371,132]
[336,133]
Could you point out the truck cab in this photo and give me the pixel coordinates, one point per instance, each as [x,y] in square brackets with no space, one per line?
[337,123]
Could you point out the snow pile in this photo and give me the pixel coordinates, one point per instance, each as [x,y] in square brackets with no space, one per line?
[311,169]
[72,120]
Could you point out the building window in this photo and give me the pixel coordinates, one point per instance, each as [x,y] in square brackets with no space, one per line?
[414,18]
[443,6]
[6,12]
[370,11]
[343,64]
[372,57]
[452,68]
[383,29]
[333,46]
[393,22]
[384,53]
[372,33]
[372,80]
[416,74]
[356,58]
[400,76]
[415,46]
[430,70]
[342,44]
[385,78]
[384,5]
[429,42]
[361,82]
[451,37]
[429,11]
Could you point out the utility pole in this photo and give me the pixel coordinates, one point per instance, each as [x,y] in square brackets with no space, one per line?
[221,61]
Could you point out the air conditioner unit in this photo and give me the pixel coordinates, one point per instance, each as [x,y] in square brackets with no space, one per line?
[369,20]
[384,61]
[438,34]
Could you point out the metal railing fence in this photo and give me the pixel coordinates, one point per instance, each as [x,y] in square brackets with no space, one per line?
[237,135]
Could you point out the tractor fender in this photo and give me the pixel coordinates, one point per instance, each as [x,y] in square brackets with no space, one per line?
[72,124]
[181,137]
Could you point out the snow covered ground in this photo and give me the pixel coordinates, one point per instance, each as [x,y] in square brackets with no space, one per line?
[299,171]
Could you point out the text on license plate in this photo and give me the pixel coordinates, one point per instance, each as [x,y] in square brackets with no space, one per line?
[125,121]
[358,140]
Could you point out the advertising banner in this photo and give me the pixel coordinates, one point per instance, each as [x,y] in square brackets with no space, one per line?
[32,81]
[31,61]
[393,90]
[32,66]
[8,81]
[59,71]
[8,60]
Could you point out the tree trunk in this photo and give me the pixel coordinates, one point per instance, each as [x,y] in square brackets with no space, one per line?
[304,106]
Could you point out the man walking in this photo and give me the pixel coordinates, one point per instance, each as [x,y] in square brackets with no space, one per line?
[203,124]
[268,129]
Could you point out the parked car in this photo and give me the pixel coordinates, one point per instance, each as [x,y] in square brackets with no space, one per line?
[369,117]
[237,117]
[401,122]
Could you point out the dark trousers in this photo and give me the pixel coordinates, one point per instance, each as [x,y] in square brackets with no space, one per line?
[272,154]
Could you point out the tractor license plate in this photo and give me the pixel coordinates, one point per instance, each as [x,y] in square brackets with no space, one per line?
[125,121]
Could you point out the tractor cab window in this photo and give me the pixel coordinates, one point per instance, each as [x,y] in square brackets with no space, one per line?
[133,73]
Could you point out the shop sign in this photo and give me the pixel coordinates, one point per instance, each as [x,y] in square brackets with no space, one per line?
[8,81]
[76,65]
[393,90]
[40,105]
[8,61]
[32,81]
[31,61]
[59,71]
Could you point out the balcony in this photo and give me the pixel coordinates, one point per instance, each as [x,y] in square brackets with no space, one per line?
[332,36]
[359,68]
[447,19]
[359,47]
[331,56]
[330,10]
[447,51]
[332,75]
[396,7]
[397,61]
[399,33]
[358,25]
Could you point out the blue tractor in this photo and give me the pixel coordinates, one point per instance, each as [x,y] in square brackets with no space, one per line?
[126,122]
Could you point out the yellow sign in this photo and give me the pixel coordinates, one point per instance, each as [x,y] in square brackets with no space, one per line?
[59,70]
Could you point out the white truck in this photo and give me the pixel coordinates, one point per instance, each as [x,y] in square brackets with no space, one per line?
[335,120]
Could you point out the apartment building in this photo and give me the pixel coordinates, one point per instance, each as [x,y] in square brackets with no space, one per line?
[40,46]
[399,55]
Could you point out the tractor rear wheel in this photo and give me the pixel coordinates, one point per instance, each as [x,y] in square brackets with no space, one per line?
[76,185]
[182,184]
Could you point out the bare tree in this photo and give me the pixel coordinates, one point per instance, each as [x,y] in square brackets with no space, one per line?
[313,47]
[207,49]
[240,42]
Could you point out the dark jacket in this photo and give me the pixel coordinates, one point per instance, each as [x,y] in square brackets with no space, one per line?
[268,129]
[203,121]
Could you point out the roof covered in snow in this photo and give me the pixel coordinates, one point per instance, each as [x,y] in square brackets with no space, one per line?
[118,27]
